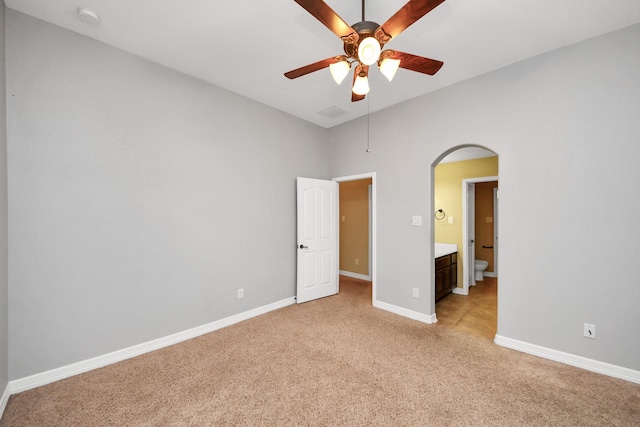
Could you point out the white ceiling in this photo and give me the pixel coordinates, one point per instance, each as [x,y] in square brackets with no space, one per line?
[262,39]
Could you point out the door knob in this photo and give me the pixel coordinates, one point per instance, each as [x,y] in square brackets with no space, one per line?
[303,247]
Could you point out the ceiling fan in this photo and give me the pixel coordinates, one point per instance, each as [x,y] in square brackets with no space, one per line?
[363,43]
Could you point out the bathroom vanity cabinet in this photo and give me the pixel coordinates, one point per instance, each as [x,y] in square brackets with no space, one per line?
[446,274]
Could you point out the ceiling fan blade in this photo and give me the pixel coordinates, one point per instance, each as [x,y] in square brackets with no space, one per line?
[323,13]
[416,63]
[407,15]
[299,72]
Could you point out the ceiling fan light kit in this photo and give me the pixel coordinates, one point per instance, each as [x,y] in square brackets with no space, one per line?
[368,51]
[361,85]
[389,67]
[339,70]
[363,43]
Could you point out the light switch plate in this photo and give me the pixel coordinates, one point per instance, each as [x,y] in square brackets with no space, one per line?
[416,220]
[590,331]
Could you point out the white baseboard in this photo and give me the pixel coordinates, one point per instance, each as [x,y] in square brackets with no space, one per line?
[489,274]
[37,380]
[460,291]
[570,359]
[424,318]
[355,275]
[4,400]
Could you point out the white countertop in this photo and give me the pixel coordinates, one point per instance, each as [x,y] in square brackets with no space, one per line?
[442,249]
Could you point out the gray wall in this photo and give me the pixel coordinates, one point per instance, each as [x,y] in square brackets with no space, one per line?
[4,364]
[566,128]
[140,199]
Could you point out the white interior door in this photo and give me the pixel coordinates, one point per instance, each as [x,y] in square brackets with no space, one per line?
[317,258]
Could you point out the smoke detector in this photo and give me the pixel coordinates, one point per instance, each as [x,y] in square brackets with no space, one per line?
[89,16]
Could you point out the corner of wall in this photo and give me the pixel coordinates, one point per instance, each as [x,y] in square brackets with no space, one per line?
[4,308]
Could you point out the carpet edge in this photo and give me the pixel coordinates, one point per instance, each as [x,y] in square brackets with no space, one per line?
[53,375]
[592,365]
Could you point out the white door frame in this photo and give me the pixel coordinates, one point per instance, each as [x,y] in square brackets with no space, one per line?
[496,196]
[496,218]
[372,224]
[468,237]
[467,261]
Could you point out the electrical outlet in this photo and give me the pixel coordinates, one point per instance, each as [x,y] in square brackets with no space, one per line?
[416,292]
[240,293]
[357,261]
[590,331]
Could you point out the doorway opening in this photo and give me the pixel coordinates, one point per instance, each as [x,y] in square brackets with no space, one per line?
[479,228]
[455,176]
[356,228]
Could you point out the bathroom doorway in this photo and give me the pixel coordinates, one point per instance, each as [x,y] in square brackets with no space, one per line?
[479,228]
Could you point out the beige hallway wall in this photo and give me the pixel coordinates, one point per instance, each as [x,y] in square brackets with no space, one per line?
[354,226]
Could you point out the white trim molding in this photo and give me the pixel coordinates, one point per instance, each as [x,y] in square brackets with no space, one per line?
[460,291]
[4,400]
[355,275]
[570,359]
[420,317]
[37,380]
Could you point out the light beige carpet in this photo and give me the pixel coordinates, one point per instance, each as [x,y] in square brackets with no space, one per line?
[335,362]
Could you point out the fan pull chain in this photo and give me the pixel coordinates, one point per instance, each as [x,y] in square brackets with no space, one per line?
[368,126]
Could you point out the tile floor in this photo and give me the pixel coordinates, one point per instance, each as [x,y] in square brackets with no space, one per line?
[475,313]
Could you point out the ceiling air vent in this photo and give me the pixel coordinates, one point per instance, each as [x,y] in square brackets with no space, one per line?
[332,111]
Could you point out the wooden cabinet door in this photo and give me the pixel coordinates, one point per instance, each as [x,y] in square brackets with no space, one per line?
[454,275]
[443,280]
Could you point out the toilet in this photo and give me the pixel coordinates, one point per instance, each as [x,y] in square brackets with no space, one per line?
[480,266]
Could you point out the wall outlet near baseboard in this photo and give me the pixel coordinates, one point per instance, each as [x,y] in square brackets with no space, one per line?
[416,292]
[240,293]
[589,331]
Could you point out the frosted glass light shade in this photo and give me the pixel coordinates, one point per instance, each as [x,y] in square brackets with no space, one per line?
[388,67]
[369,51]
[339,70]
[361,86]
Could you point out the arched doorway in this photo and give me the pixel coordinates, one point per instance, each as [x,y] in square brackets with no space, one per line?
[455,176]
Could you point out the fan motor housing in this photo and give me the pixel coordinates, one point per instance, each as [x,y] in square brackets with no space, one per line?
[364,29]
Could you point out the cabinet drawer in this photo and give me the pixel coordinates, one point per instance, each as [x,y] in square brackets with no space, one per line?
[443,262]
[454,257]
